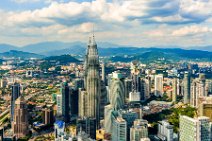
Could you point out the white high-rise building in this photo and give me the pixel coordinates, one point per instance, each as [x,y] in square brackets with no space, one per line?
[165,131]
[59,105]
[195,129]
[139,130]
[159,85]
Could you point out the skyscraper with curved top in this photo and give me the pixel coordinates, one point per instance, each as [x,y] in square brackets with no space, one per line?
[117,91]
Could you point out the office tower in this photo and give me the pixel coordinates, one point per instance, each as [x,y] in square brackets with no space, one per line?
[198,89]
[129,116]
[205,107]
[15,94]
[135,75]
[145,88]
[92,93]
[107,118]
[187,87]
[174,89]
[20,121]
[78,83]
[119,128]
[159,85]
[74,98]
[195,129]
[59,129]
[83,103]
[139,130]
[103,100]
[3,82]
[134,96]
[128,87]
[103,72]
[117,90]
[165,131]
[209,86]
[48,116]
[1,133]
[65,101]
[59,105]
[88,125]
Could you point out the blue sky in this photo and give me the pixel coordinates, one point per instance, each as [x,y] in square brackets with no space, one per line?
[145,23]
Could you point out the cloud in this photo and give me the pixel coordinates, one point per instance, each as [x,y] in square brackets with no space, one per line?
[191,30]
[62,19]
[25,1]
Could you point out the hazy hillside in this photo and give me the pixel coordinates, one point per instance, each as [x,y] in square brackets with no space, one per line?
[21,54]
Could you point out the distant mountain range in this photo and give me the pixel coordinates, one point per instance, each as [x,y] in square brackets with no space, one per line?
[21,54]
[105,49]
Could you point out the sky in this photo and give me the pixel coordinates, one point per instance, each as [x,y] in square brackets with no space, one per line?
[144,23]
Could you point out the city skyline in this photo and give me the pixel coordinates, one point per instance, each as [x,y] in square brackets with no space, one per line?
[144,23]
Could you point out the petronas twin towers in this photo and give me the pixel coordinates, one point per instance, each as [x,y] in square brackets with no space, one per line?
[89,99]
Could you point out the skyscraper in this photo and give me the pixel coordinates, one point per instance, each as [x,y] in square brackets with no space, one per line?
[92,92]
[87,125]
[15,94]
[48,115]
[59,105]
[135,75]
[117,90]
[119,128]
[174,89]
[128,87]
[187,87]
[165,130]
[20,122]
[198,89]
[65,101]
[103,72]
[195,129]
[139,130]
[159,85]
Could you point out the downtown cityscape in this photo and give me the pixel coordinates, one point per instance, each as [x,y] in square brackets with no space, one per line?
[153,87]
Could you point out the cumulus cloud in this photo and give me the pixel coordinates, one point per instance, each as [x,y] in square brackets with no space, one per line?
[135,17]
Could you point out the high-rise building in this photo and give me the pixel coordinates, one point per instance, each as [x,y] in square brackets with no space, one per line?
[107,118]
[128,87]
[92,93]
[1,133]
[119,128]
[78,83]
[103,72]
[174,89]
[135,75]
[195,129]
[129,116]
[117,90]
[48,115]
[103,99]
[74,98]
[15,94]
[205,107]
[59,129]
[59,105]
[3,82]
[145,88]
[65,101]
[88,125]
[139,130]
[198,89]
[134,96]
[165,131]
[159,85]
[20,122]
[187,87]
